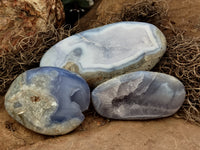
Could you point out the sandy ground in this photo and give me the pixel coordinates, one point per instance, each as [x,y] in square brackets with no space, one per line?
[168,134]
[102,134]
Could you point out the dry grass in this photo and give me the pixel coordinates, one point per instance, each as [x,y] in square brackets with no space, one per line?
[151,11]
[27,54]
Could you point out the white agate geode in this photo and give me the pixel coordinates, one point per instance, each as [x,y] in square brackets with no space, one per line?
[102,53]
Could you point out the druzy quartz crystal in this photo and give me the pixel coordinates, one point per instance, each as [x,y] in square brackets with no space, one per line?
[102,53]
[48,100]
[138,96]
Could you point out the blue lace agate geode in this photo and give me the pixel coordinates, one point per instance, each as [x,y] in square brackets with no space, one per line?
[139,95]
[48,100]
[102,53]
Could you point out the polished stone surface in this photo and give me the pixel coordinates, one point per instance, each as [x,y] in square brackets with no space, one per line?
[102,53]
[138,96]
[48,100]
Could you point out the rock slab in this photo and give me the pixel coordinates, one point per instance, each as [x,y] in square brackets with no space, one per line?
[48,100]
[138,96]
[102,53]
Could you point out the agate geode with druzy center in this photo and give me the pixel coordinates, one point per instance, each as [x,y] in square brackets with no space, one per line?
[139,95]
[48,100]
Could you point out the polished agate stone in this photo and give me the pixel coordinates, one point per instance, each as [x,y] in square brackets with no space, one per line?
[48,100]
[102,53]
[138,96]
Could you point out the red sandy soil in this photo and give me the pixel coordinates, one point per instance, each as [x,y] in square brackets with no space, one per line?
[97,133]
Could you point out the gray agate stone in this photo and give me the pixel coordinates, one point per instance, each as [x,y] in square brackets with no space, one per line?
[48,100]
[102,53]
[138,96]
